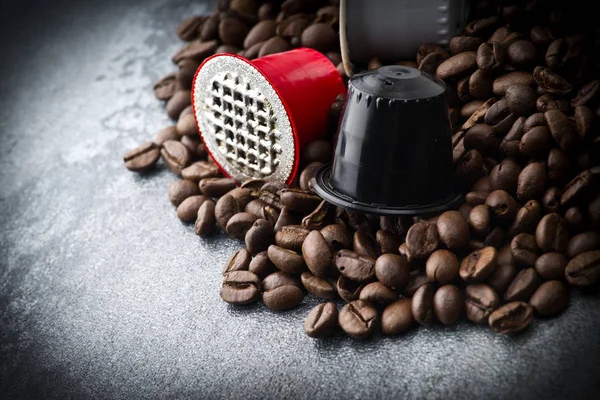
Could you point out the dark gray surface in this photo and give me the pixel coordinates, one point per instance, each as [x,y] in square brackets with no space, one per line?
[105,294]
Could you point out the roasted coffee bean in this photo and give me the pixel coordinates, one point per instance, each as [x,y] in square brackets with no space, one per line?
[551,266]
[282,298]
[521,99]
[551,298]
[322,320]
[475,199]
[358,319]
[377,293]
[522,53]
[286,260]
[337,237]
[242,195]
[186,126]
[216,187]
[253,185]
[562,129]
[168,133]
[532,181]
[551,235]
[503,82]
[522,286]
[286,217]
[527,218]
[558,166]
[430,63]
[195,147]
[189,28]
[415,281]
[593,212]
[587,94]
[317,254]
[584,269]
[365,245]
[232,31]
[239,261]
[480,219]
[460,44]
[392,270]
[291,237]
[534,120]
[480,301]
[495,238]
[256,207]
[320,217]
[511,318]
[308,174]
[586,241]
[469,168]
[320,37]
[240,287]
[318,287]
[547,102]
[584,120]
[505,175]
[422,239]
[462,90]
[479,265]
[142,158]
[354,266]
[187,211]
[505,254]
[298,200]
[536,142]
[181,190]
[502,206]
[448,304]
[524,250]
[490,56]
[482,138]
[511,141]
[317,151]
[551,200]
[457,65]
[397,317]
[260,236]
[387,241]
[274,45]
[422,304]
[502,277]
[166,87]
[577,189]
[429,48]
[262,31]
[180,100]
[205,219]
[226,208]
[279,279]
[261,265]
[442,266]
[497,112]
[482,184]
[481,84]
[239,224]
[347,289]
[469,109]
[551,82]
[200,170]
[175,155]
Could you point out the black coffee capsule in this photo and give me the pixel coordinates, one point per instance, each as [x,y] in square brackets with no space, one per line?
[393,151]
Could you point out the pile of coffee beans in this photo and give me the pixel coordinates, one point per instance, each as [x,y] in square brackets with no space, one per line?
[524,91]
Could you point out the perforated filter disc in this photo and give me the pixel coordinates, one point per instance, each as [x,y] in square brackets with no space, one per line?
[242,120]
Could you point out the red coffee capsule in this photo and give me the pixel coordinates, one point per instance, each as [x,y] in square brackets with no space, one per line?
[255,116]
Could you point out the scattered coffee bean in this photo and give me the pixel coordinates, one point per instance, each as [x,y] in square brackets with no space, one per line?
[551,298]
[187,211]
[216,187]
[502,205]
[143,158]
[354,266]
[453,231]
[226,208]
[260,236]
[422,239]
[317,254]
[337,237]
[240,287]
[239,261]
[175,155]
[205,219]
[239,224]
[321,321]
[286,260]
[200,170]
[442,266]
[298,200]
[392,270]
[261,265]
[318,287]
[532,181]
[283,297]
[551,235]
[502,277]
[181,190]
[511,318]
[480,301]
[278,279]
[397,317]
[364,244]
[415,281]
[291,237]
[479,265]
[586,241]
[584,269]
[358,319]
[522,286]
[448,304]
[422,304]
[378,293]
[524,250]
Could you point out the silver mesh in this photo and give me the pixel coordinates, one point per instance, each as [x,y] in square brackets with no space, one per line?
[242,120]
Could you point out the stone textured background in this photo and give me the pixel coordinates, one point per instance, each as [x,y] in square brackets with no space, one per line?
[105,294]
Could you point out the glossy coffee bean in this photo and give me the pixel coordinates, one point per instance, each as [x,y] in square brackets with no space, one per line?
[348,289]
[318,287]
[387,241]
[317,254]
[480,220]
[187,211]
[282,298]
[240,287]
[377,293]
[502,277]
[291,237]
[260,236]
[511,318]
[321,321]
[337,237]
[586,241]
[181,190]
[442,266]
[397,317]
[261,265]
[422,239]
[354,266]
[532,181]
[358,319]
[551,234]
[175,155]
[550,298]
[364,244]
[522,286]
[453,230]
[448,304]
[278,279]
[216,187]
[527,218]
[392,270]
[584,269]
[205,219]
[239,261]
[142,158]
[422,304]
[504,176]
[551,266]
[226,208]
[479,265]
[480,301]
[524,250]
[239,224]
[286,260]
[502,206]
[200,170]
